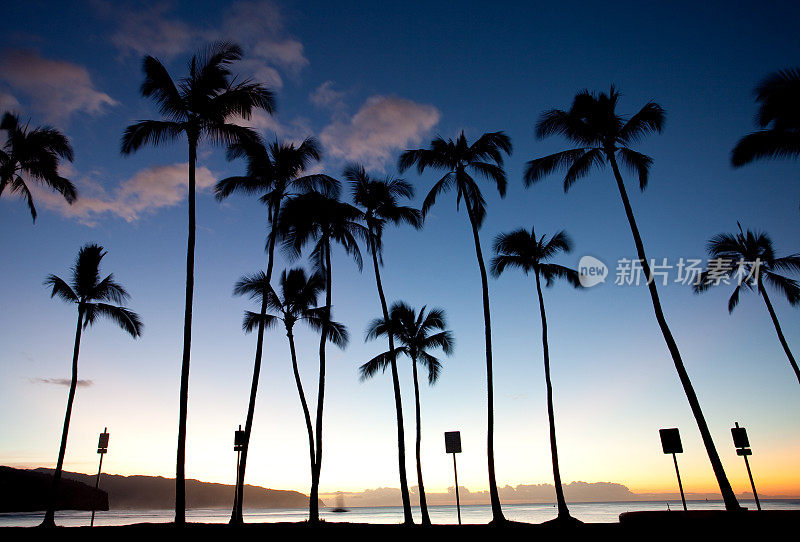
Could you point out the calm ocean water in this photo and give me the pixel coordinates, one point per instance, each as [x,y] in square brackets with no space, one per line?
[531,513]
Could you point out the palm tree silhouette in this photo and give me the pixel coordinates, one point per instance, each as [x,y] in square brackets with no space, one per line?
[378,201]
[317,218]
[274,173]
[93,297]
[413,332]
[35,154]
[750,257]
[778,118]
[198,107]
[296,303]
[457,158]
[603,135]
[523,250]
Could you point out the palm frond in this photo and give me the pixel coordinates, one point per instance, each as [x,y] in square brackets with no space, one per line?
[60,288]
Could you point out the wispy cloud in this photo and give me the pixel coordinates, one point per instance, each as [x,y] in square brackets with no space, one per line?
[154,32]
[326,97]
[383,125]
[62,382]
[258,26]
[150,189]
[55,87]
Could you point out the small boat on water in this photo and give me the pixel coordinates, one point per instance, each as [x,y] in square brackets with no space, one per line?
[339,508]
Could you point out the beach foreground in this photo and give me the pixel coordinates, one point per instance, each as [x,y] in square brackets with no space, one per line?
[632,526]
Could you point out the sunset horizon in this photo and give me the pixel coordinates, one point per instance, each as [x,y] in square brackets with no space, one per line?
[554,229]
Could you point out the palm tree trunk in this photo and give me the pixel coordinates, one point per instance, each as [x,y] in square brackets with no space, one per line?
[306,413]
[180,475]
[778,330]
[398,402]
[731,504]
[497,511]
[315,474]
[49,516]
[563,511]
[237,514]
[423,502]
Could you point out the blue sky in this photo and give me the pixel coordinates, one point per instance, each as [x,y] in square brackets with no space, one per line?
[371,80]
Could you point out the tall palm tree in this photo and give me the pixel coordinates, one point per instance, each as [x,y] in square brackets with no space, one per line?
[778,118]
[35,154]
[274,173]
[296,303]
[93,298]
[322,220]
[413,332]
[603,135]
[378,201]
[750,257]
[199,108]
[460,161]
[523,250]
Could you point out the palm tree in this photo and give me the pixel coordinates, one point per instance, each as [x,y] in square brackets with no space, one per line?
[35,154]
[323,220]
[778,118]
[750,257]
[460,161]
[412,331]
[92,297]
[274,173]
[296,303]
[198,107]
[602,135]
[378,201]
[523,250]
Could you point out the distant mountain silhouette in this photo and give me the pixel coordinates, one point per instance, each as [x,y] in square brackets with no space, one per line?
[157,492]
[531,493]
[27,491]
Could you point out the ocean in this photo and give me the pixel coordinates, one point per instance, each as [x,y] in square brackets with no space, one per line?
[531,513]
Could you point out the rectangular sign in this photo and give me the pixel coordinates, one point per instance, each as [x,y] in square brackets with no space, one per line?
[452,442]
[103,441]
[238,440]
[671,441]
[740,439]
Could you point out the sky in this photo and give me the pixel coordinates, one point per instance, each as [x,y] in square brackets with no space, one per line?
[370,80]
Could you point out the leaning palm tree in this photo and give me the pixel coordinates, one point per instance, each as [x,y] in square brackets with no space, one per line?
[199,108]
[413,332]
[274,173]
[460,161]
[378,201]
[321,220]
[525,251]
[778,118]
[92,297]
[603,135]
[34,154]
[751,259]
[296,302]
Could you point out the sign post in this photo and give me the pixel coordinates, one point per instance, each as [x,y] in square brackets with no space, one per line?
[742,444]
[452,445]
[102,449]
[671,444]
[238,446]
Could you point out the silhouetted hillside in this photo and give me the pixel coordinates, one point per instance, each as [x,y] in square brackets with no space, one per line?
[27,491]
[157,492]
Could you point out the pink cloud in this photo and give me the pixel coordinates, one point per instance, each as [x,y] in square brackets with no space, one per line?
[55,87]
[148,191]
[383,125]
